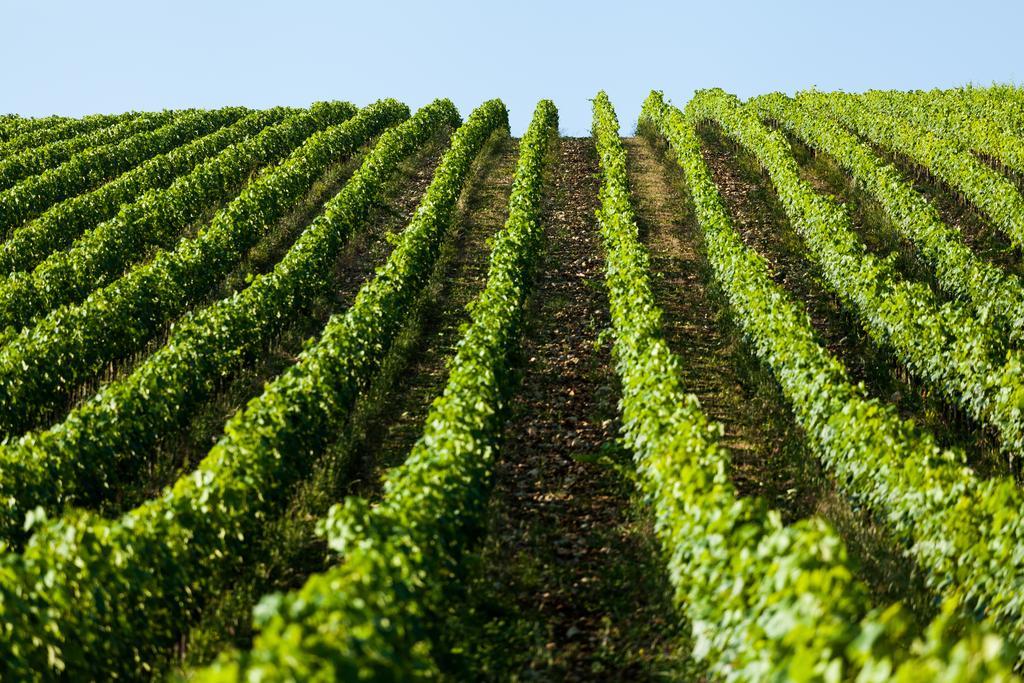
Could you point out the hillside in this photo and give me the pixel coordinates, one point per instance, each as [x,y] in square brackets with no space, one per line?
[343,393]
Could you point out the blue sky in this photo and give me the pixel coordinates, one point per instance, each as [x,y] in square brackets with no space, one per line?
[80,57]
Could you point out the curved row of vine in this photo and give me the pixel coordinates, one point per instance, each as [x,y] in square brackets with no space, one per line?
[97,165]
[13,125]
[737,569]
[976,119]
[62,223]
[104,252]
[22,134]
[943,344]
[34,160]
[994,194]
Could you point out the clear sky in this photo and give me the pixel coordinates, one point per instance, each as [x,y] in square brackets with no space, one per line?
[78,57]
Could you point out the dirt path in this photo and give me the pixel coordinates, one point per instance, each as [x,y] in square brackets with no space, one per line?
[768,459]
[569,584]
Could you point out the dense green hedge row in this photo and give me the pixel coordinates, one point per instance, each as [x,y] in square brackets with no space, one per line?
[13,125]
[375,616]
[943,344]
[74,342]
[966,533]
[58,226]
[35,160]
[92,598]
[95,166]
[995,296]
[22,134]
[9,123]
[106,440]
[767,601]
[994,194]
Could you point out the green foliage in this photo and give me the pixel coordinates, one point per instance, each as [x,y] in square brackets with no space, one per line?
[812,620]
[157,218]
[37,178]
[994,296]
[90,597]
[58,226]
[996,196]
[941,343]
[987,120]
[376,615]
[13,125]
[965,532]
[87,597]
[38,135]
[105,441]
[121,316]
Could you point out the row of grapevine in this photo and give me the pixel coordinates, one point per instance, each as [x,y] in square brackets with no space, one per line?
[966,532]
[29,133]
[944,345]
[121,316]
[156,219]
[373,616]
[994,295]
[108,439]
[12,125]
[973,124]
[94,166]
[137,581]
[739,573]
[994,194]
[1001,105]
[35,160]
[58,226]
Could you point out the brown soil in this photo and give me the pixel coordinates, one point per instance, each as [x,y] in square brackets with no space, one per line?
[763,440]
[569,584]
